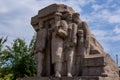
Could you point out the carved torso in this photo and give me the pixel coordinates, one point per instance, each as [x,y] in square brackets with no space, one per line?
[40,40]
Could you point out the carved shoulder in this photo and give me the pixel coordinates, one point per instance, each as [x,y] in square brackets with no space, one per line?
[86,28]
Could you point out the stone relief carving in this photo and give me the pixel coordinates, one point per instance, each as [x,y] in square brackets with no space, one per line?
[65,46]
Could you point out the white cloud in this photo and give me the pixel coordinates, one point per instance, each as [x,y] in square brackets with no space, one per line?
[100,33]
[106,15]
[3,7]
[97,7]
[4,10]
[117,30]
[114,19]
[85,2]
[109,12]
[107,35]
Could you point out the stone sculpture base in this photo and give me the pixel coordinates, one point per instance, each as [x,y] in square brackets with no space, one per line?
[73,78]
[100,65]
[94,66]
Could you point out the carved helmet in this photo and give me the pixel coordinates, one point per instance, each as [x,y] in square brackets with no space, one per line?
[76,14]
[76,17]
[66,14]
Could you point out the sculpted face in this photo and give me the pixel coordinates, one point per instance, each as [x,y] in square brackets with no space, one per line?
[40,25]
[76,17]
[80,32]
[58,16]
[69,17]
[36,28]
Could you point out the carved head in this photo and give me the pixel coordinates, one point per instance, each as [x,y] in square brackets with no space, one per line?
[36,27]
[58,16]
[67,16]
[40,24]
[76,17]
[80,33]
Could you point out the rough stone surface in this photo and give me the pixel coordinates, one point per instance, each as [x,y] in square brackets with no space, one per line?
[100,65]
[66,49]
[73,78]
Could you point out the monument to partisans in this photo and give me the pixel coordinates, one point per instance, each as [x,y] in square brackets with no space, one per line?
[66,49]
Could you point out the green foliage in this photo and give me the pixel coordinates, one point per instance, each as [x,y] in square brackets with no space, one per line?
[2,41]
[15,60]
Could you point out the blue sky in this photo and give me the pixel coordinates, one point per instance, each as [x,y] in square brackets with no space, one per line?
[102,16]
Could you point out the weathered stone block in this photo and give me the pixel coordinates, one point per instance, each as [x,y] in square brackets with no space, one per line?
[94,61]
[54,8]
[73,78]
[92,71]
[63,78]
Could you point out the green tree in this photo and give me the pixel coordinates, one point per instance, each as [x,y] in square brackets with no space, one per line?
[16,61]
[4,68]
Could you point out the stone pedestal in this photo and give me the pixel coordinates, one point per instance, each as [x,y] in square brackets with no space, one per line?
[73,78]
[100,65]
[93,65]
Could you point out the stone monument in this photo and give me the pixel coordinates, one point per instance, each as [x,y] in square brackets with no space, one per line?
[65,48]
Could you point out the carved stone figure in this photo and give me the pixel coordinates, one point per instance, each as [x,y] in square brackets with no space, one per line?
[70,43]
[83,26]
[81,51]
[39,46]
[91,44]
[58,35]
